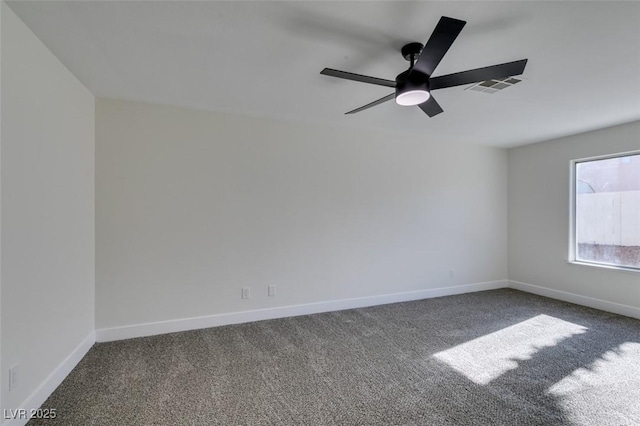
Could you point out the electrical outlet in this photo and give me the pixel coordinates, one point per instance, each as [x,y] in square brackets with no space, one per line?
[246,292]
[452,274]
[13,377]
[271,290]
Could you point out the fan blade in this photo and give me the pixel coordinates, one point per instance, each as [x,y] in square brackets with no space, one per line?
[508,69]
[439,43]
[431,107]
[372,104]
[358,77]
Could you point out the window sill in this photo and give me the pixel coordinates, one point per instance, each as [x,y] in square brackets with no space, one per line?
[604,266]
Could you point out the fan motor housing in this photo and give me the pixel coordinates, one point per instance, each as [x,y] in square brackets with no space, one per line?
[408,81]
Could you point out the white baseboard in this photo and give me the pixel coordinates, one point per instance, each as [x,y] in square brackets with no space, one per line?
[162,327]
[591,302]
[46,388]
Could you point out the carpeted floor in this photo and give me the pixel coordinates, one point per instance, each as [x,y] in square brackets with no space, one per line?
[499,357]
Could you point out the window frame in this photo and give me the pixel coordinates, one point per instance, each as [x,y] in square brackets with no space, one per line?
[573,243]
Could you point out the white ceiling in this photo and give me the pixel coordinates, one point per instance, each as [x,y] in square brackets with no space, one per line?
[264,58]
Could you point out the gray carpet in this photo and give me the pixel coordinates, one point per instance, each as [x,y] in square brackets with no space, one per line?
[499,357]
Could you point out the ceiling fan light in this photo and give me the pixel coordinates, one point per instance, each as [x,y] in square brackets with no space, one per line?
[412,97]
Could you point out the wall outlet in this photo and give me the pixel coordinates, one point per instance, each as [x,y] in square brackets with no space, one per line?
[13,377]
[271,290]
[452,274]
[246,292]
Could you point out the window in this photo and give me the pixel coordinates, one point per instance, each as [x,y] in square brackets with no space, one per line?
[606,211]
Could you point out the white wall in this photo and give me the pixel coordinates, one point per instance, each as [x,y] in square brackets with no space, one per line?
[539,217]
[3,376]
[191,206]
[47,198]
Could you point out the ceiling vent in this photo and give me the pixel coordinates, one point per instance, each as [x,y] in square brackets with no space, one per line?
[493,86]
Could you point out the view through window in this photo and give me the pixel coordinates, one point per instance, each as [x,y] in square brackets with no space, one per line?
[607,211]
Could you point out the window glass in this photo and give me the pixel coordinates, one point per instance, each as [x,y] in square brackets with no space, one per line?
[607,211]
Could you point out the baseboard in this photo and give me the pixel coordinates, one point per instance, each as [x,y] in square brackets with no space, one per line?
[162,327]
[591,302]
[46,388]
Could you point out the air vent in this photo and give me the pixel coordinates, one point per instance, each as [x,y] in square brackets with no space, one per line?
[493,86]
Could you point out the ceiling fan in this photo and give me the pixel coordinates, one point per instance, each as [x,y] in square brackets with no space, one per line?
[414,86]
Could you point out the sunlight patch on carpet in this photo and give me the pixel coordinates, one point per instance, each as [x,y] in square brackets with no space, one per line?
[488,357]
[609,385]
